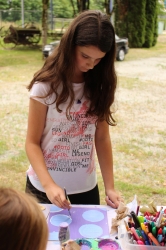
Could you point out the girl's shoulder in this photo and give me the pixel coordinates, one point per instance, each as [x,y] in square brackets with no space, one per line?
[40,89]
[40,92]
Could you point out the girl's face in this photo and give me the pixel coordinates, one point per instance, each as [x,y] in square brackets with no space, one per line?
[87,57]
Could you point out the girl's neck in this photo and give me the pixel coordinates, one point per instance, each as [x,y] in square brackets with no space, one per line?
[78,77]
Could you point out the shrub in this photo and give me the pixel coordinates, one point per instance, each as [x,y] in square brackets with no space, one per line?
[150,28]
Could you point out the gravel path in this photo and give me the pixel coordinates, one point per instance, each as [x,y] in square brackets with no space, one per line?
[148,69]
[139,139]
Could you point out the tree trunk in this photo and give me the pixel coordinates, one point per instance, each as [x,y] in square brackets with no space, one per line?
[44,22]
[83,5]
[74,11]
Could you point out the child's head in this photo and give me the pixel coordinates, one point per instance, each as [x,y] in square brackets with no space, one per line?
[22,223]
[90,27]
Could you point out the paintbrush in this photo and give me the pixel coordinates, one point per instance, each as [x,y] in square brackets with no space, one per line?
[67,199]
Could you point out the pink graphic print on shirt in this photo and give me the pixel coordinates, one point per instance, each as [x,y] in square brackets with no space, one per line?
[72,143]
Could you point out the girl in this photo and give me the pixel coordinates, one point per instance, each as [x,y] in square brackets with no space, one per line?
[22,223]
[69,116]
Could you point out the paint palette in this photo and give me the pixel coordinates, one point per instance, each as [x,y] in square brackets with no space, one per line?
[84,222]
[105,244]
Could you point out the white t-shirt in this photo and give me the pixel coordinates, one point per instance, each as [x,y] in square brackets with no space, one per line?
[67,145]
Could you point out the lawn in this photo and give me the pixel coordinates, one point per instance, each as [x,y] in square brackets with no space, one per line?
[139,144]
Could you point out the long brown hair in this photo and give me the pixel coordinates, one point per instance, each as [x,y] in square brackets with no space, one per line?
[22,223]
[91,27]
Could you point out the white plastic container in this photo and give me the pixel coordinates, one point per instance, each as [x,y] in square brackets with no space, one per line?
[125,245]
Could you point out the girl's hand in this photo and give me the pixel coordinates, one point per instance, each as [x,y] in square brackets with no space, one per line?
[70,245]
[57,196]
[113,198]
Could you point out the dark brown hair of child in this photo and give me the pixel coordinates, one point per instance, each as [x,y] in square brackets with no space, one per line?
[94,28]
[22,223]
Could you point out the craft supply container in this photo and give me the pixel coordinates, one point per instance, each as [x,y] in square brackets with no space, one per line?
[126,245]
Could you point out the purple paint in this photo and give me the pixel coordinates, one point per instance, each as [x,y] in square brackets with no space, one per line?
[85,247]
[78,220]
[109,244]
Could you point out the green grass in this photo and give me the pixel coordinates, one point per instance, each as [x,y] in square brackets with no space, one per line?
[139,139]
[13,169]
[140,53]
[17,68]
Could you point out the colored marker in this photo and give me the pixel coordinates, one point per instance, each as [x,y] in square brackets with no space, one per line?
[140,242]
[154,231]
[149,227]
[135,219]
[136,236]
[147,242]
[138,232]
[141,219]
[164,231]
[143,226]
[146,229]
[137,212]
[154,240]
[159,238]
[127,227]
[160,231]
[146,239]
[153,224]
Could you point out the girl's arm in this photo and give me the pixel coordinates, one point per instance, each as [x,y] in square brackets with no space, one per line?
[105,158]
[36,123]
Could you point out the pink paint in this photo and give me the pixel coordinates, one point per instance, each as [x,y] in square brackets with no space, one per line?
[108,244]
[107,247]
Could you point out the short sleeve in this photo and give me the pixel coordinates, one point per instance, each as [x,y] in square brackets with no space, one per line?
[39,91]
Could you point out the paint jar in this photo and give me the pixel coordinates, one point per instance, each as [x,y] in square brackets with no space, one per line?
[84,244]
[64,234]
[108,244]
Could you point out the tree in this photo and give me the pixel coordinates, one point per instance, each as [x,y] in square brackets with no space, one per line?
[121,21]
[74,10]
[65,8]
[130,21]
[83,5]
[44,21]
[137,20]
[150,27]
[4,5]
